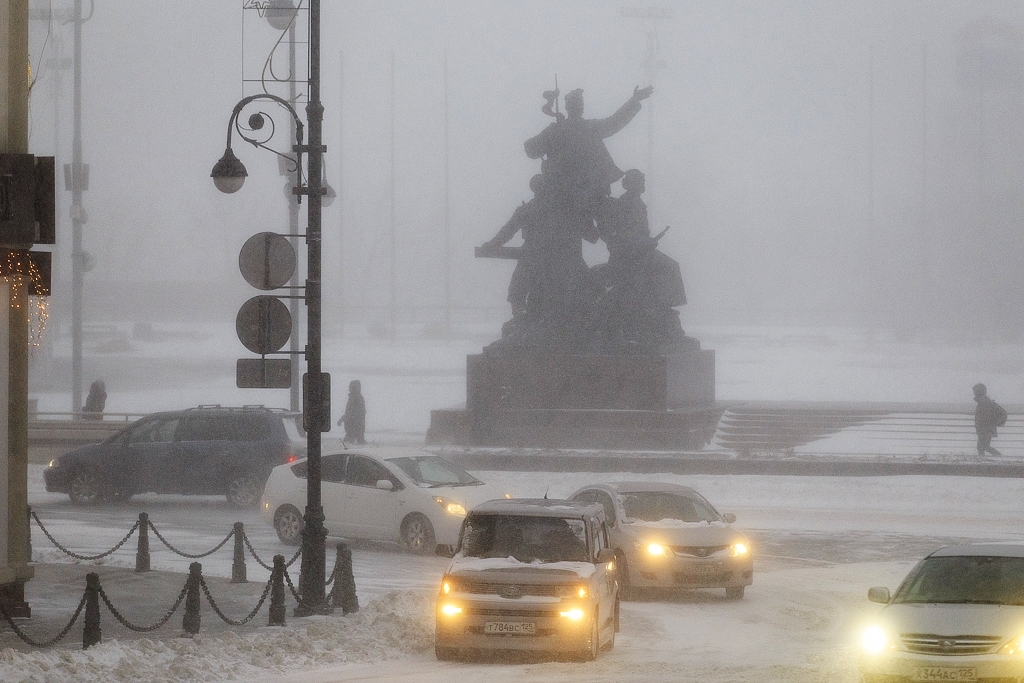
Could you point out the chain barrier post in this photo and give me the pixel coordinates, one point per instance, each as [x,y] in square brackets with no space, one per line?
[238,565]
[142,556]
[92,634]
[190,622]
[277,608]
[345,581]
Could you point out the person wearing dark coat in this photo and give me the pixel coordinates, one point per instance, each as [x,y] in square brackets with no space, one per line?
[354,418]
[986,418]
[96,401]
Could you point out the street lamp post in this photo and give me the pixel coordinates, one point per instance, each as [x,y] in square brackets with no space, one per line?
[228,175]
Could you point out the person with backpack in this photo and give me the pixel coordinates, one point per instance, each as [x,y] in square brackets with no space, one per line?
[987,417]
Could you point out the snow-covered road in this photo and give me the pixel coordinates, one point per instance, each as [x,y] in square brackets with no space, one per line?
[820,543]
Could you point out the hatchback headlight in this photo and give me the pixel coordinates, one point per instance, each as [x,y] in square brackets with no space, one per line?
[874,640]
[450,506]
[1014,647]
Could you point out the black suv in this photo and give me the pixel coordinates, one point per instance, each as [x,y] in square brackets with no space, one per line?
[207,450]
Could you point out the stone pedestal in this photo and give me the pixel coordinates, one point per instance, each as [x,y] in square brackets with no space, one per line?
[584,401]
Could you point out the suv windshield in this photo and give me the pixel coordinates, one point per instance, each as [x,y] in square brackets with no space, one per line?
[429,471]
[965,579]
[655,506]
[526,539]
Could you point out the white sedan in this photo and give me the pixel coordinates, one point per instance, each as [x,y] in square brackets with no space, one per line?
[668,536]
[377,493]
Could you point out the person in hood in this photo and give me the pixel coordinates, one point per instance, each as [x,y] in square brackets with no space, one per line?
[987,417]
[354,418]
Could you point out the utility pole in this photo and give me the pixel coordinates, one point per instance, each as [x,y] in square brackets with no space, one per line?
[652,64]
[15,569]
[77,218]
[394,249]
[294,305]
[447,215]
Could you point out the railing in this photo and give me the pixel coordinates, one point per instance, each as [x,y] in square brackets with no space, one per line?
[341,596]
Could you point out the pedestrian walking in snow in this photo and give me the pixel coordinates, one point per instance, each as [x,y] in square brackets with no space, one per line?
[96,401]
[354,418]
[987,417]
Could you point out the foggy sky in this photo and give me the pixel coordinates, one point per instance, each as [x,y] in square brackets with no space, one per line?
[834,162]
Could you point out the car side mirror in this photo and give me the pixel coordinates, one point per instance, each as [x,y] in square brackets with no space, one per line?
[879,594]
[729,517]
[385,484]
[444,550]
[605,555]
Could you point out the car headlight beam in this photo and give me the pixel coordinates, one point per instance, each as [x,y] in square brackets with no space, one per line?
[450,506]
[874,640]
[450,610]
[1014,647]
[738,550]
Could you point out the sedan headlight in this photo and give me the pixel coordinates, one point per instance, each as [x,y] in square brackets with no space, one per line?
[874,640]
[450,506]
[738,550]
[1014,647]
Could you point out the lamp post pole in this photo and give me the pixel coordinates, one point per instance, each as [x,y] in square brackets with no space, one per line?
[229,174]
[314,535]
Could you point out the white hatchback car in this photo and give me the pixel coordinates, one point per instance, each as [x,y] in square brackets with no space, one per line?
[378,493]
[957,616]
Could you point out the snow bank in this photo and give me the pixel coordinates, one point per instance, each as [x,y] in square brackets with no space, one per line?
[396,625]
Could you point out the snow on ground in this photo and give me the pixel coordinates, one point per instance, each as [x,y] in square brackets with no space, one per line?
[823,542]
[819,542]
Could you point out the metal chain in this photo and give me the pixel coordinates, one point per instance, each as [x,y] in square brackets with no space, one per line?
[191,557]
[225,618]
[245,538]
[76,555]
[35,643]
[291,587]
[144,629]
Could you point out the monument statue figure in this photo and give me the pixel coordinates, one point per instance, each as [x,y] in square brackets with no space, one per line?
[579,166]
[642,285]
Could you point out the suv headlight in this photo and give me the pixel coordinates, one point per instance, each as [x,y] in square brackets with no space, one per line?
[578,591]
[738,550]
[448,585]
[875,640]
[450,506]
[1014,647]
[653,549]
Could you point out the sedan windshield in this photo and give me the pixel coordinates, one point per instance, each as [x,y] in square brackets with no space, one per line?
[526,539]
[430,471]
[656,506]
[967,579]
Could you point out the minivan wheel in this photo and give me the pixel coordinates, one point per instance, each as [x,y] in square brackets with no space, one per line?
[86,488]
[288,523]
[446,654]
[734,593]
[243,490]
[418,534]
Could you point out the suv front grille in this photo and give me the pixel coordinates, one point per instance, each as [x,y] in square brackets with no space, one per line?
[488,612]
[698,550]
[503,589]
[930,644]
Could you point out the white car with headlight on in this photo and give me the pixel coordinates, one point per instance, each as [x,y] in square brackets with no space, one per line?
[377,493]
[957,616]
[668,536]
